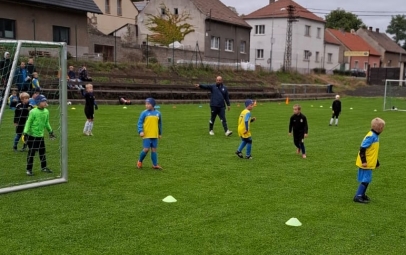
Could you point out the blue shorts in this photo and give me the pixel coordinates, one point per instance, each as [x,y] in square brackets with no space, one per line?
[150,142]
[364,175]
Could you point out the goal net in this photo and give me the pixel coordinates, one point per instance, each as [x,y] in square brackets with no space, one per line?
[395,95]
[29,72]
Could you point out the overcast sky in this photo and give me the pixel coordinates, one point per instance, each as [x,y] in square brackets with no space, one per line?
[371,7]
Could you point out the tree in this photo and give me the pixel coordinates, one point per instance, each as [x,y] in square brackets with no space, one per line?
[168,27]
[397,28]
[340,19]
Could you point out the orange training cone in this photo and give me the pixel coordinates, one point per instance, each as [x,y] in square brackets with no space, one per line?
[255,103]
[287,100]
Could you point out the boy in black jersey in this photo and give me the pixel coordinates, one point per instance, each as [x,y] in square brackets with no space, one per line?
[20,117]
[90,106]
[298,123]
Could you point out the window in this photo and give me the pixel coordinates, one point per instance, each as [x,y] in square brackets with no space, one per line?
[365,66]
[7,28]
[330,58]
[318,32]
[356,65]
[61,34]
[260,29]
[107,6]
[307,30]
[307,55]
[242,46]
[119,9]
[375,65]
[176,11]
[317,56]
[163,11]
[215,43]
[229,45]
[260,54]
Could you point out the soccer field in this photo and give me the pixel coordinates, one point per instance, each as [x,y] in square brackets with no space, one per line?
[226,205]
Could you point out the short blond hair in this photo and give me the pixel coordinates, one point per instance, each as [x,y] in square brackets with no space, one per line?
[34,73]
[377,124]
[89,85]
[297,106]
[24,95]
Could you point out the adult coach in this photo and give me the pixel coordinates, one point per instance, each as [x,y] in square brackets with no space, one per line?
[218,100]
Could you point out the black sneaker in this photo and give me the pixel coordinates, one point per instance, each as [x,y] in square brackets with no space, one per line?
[46,170]
[360,199]
[239,154]
[248,157]
[366,198]
[29,173]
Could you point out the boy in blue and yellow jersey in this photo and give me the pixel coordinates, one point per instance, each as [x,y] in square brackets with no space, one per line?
[150,129]
[35,82]
[33,134]
[244,131]
[13,100]
[367,159]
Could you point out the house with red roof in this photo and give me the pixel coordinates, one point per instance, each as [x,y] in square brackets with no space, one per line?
[219,32]
[331,53]
[268,38]
[353,42]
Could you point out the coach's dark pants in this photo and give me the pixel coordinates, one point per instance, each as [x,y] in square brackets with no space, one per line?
[34,144]
[221,112]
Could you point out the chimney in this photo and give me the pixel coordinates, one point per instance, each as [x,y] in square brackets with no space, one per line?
[377,30]
[370,28]
[271,1]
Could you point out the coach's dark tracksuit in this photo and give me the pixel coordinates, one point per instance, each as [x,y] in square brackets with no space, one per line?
[219,95]
[298,123]
[336,108]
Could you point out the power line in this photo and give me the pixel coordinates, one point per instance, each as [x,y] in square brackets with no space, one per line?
[398,12]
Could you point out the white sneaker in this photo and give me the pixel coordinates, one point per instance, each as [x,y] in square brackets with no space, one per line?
[211,132]
[228,133]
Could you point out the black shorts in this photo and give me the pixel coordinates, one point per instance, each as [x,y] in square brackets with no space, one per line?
[89,112]
[335,114]
[19,129]
[35,143]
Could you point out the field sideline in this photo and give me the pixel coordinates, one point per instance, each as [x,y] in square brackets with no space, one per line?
[226,205]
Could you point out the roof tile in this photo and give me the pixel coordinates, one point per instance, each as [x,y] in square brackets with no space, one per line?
[353,42]
[278,10]
[219,12]
[80,5]
[385,42]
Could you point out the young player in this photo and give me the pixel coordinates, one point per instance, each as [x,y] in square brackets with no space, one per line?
[38,121]
[298,123]
[20,118]
[35,82]
[150,129]
[244,131]
[35,94]
[336,106]
[367,159]
[90,106]
[13,100]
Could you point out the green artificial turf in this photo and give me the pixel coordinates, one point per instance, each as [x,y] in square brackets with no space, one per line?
[225,205]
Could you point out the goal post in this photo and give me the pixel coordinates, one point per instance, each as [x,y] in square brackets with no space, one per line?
[22,62]
[395,95]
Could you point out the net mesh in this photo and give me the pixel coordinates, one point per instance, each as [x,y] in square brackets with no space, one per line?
[29,73]
[395,95]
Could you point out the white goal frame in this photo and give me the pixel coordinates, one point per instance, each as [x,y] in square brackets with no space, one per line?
[62,112]
[388,82]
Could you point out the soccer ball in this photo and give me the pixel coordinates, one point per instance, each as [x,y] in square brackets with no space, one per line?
[69,103]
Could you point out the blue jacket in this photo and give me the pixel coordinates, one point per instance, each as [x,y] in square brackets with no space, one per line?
[20,79]
[219,94]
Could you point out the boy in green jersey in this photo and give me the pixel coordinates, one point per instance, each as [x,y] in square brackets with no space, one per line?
[38,121]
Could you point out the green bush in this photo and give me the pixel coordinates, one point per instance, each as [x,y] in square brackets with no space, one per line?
[319,70]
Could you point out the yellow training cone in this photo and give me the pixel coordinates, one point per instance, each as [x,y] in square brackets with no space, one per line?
[169,199]
[294,222]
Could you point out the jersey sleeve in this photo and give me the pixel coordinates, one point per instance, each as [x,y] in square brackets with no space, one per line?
[48,125]
[306,127]
[160,124]
[227,97]
[247,120]
[368,140]
[206,87]
[140,124]
[290,124]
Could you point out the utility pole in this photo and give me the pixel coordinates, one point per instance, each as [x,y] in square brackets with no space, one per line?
[288,50]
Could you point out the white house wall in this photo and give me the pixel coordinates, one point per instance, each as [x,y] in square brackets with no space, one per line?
[300,43]
[197,21]
[334,64]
